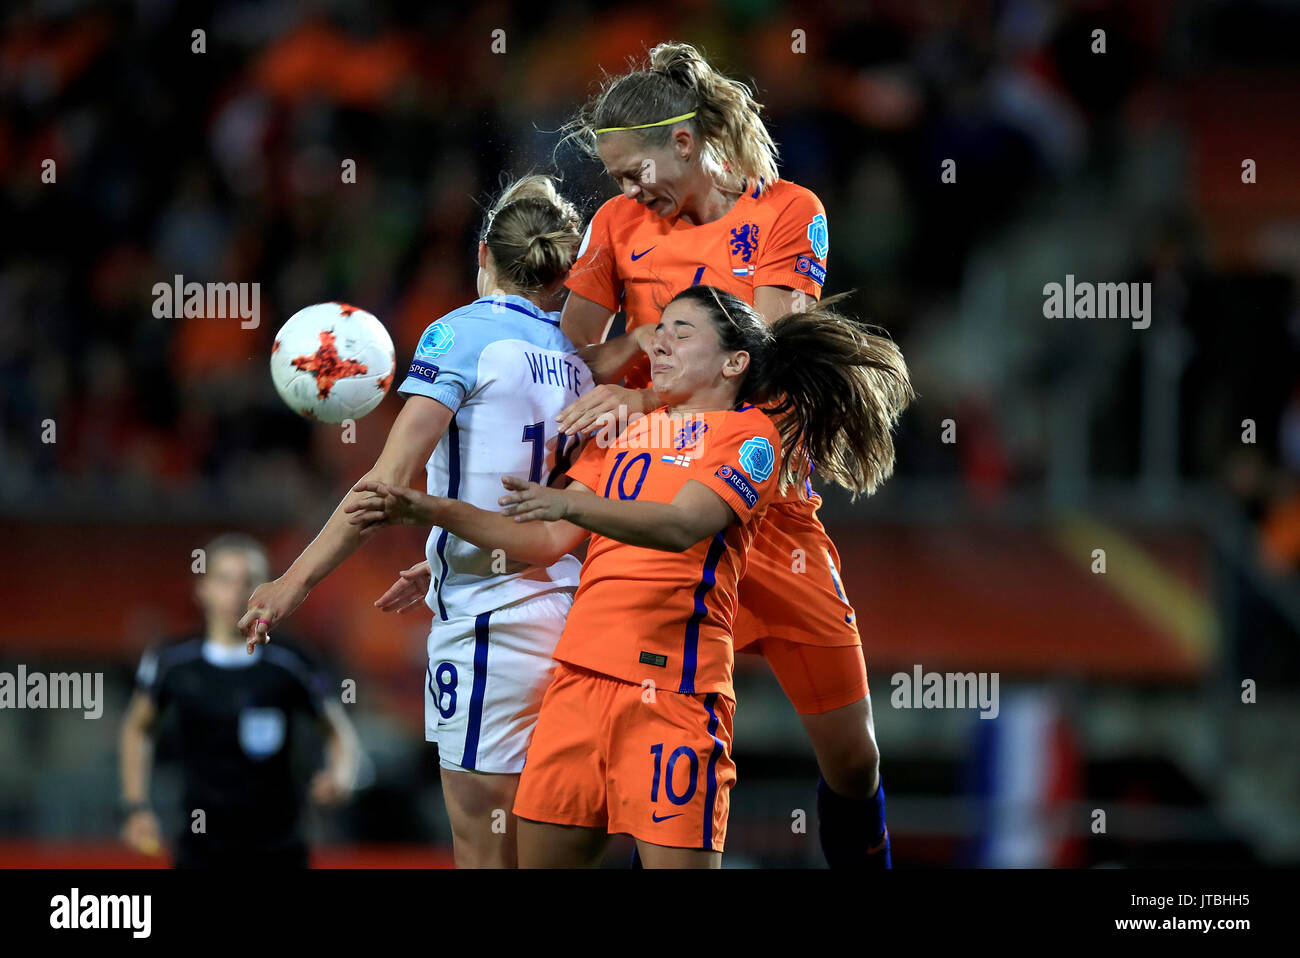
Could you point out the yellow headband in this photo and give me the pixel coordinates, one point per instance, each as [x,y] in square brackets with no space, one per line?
[642,126]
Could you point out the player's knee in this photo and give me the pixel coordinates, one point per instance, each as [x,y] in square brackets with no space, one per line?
[847,754]
[859,770]
[852,766]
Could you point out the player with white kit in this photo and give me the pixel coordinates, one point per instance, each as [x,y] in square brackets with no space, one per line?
[484,389]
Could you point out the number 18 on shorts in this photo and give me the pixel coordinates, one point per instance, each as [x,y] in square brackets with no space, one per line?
[485,680]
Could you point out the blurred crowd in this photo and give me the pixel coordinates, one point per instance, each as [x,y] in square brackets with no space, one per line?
[219,157]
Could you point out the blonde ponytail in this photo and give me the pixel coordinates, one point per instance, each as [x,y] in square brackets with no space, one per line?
[533,234]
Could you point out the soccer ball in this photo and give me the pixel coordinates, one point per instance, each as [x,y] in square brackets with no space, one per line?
[332,362]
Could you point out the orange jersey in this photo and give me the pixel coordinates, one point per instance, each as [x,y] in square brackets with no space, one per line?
[633,260]
[667,616]
[636,261]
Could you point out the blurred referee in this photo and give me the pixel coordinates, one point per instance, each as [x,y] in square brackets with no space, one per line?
[235,714]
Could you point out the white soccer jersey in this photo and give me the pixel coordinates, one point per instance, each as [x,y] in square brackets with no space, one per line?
[506,371]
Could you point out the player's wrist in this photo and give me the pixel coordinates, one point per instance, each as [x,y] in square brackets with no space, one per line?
[128,809]
[570,506]
[571,502]
[299,580]
[430,510]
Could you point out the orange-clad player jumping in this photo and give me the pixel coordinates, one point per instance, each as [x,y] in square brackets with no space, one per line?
[702,203]
[634,733]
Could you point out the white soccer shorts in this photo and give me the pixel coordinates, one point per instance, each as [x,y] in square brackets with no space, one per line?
[485,680]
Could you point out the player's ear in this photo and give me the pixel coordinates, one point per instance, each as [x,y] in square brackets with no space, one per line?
[684,144]
[735,364]
[482,254]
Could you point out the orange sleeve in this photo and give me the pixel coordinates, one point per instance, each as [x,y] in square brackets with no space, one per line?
[589,466]
[741,462]
[795,254]
[594,275]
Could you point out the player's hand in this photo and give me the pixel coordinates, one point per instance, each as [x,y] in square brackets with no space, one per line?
[330,787]
[597,407]
[408,591]
[270,603]
[645,338]
[142,833]
[529,501]
[380,504]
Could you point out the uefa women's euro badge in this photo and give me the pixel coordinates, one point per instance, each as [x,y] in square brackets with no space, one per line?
[757,458]
[819,236]
[437,340]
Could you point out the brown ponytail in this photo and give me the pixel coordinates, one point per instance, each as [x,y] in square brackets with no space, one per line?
[834,389]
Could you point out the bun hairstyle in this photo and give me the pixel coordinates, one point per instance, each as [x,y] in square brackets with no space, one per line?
[834,388]
[678,80]
[533,234]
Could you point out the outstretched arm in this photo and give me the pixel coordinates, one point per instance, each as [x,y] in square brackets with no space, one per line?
[379,504]
[412,439]
[696,513]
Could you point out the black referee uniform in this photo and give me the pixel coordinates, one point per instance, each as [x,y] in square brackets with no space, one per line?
[235,716]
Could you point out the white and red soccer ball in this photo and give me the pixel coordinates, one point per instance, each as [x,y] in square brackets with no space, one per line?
[332,362]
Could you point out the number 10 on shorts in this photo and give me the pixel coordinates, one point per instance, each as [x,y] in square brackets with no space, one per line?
[681,752]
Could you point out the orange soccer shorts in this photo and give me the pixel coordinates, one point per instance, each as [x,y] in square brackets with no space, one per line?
[644,762]
[793,611]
